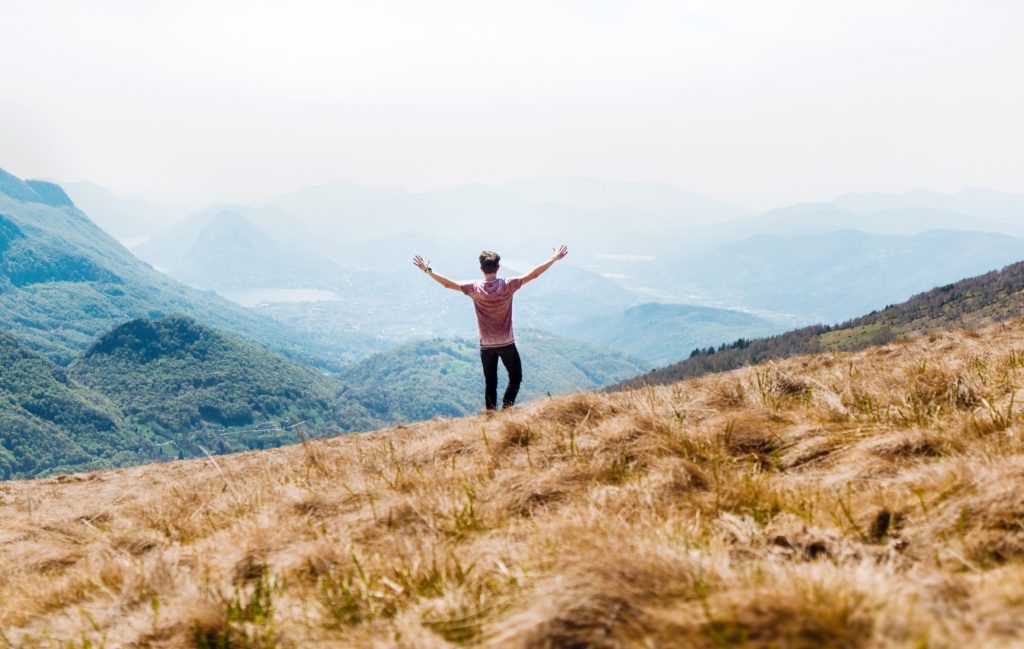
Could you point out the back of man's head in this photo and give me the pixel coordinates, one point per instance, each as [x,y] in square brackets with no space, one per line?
[489,261]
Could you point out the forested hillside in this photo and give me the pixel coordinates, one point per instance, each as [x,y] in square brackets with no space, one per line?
[184,383]
[51,424]
[972,302]
[172,388]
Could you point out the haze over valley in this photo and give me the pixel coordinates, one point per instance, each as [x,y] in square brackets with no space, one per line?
[333,260]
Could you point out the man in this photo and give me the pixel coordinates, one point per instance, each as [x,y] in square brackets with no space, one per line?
[492,299]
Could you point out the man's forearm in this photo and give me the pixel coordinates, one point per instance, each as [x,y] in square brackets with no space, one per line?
[561,252]
[444,281]
[536,272]
[423,265]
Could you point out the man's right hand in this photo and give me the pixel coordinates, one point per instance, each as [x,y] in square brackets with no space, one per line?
[418,262]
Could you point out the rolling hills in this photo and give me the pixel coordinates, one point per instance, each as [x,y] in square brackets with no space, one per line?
[51,424]
[173,388]
[973,302]
[847,499]
[189,386]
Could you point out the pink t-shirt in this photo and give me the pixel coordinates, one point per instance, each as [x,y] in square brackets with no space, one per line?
[493,302]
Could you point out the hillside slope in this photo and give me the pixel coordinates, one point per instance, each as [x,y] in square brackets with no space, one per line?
[189,385]
[50,424]
[63,281]
[126,219]
[857,500]
[972,302]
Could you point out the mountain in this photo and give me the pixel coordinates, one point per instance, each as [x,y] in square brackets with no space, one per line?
[996,296]
[129,220]
[63,281]
[662,333]
[860,500]
[185,383]
[831,276]
[423,379]
[231,252]
[52,424]
[994,206]
[168,247]
[895,219]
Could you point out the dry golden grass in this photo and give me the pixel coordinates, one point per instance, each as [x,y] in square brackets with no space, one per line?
[872,499]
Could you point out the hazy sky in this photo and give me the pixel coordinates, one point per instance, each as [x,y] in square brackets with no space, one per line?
[758,103]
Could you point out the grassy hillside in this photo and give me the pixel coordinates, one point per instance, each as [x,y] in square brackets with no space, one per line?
[63,281]
[867,499]
[442,377]
[184,383]
[50,424]
[972,302]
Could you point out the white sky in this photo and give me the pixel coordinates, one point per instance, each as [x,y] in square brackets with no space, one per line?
[758,103]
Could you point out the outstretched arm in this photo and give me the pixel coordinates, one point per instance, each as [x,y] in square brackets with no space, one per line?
[536,272]
[440,279]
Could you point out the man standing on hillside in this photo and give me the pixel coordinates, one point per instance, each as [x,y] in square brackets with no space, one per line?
[492,299]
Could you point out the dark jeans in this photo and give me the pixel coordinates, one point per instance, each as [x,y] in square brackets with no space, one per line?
[509,356]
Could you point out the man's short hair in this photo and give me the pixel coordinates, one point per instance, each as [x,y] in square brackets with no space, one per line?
[489,261]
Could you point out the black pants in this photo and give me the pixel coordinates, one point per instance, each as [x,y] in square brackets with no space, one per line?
[509,356]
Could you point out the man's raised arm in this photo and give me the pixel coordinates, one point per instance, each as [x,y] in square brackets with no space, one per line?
[440,279]
[539,270]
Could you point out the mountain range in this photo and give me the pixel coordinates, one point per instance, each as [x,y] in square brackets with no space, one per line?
[63,281]
[171,388]
[663,333]
[836,275]
[72,293]
[995,296]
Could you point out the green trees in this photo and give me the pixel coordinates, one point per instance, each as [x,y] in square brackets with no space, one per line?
[187,384]
[50,424]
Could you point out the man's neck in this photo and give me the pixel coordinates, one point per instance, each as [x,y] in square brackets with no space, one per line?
[490,277]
